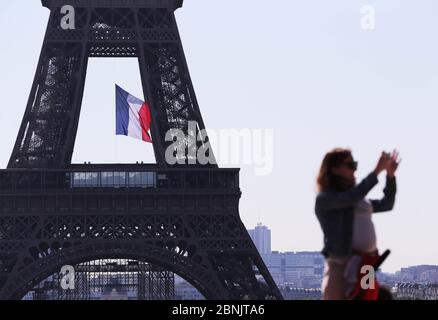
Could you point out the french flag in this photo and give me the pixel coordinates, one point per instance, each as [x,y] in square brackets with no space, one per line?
[133,116]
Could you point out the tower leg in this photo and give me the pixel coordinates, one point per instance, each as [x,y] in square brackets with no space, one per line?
[48,131]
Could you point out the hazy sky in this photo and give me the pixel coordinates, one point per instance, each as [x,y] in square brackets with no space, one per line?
[302,68]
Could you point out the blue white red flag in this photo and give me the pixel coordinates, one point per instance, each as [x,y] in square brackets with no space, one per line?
[133,116]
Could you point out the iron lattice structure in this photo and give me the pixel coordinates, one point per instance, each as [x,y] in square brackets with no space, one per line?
[110,279]
[183,218]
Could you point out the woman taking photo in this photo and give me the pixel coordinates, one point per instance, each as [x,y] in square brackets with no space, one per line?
[345,214]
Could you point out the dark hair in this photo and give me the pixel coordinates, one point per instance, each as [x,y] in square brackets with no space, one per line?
[326,179]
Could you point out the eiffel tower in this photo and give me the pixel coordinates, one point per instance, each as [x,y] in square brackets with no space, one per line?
[181,218]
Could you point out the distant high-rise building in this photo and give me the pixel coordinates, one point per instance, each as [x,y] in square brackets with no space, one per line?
[302,270]
[296,269]
[261,236]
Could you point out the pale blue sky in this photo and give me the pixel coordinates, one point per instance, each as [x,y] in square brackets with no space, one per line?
[302,68]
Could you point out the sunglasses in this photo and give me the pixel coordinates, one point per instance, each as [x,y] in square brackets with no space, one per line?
[351,165]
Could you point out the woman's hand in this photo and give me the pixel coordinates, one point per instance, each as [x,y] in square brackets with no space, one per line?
[392,164]
[383,163]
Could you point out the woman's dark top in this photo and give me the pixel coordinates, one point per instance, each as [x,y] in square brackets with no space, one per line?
[335,212]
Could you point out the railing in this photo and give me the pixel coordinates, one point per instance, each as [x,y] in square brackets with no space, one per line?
[105,177]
